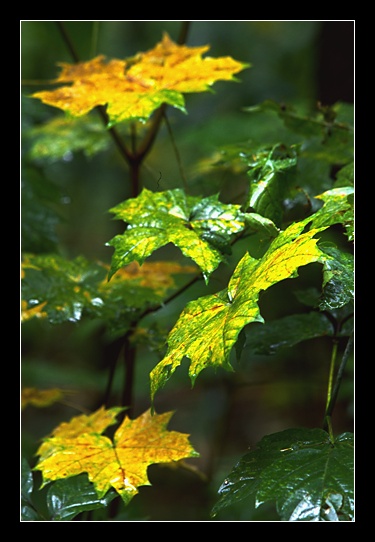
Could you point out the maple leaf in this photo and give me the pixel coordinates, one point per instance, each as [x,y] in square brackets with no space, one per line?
[223,315]
[134,88]
[59,290]
[79,446]
[201,228]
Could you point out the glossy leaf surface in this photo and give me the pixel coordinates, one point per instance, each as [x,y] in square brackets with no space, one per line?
[223,315]
[79,446]
[201,228]
[338,208]
[286,332]
[68,498]
[338,280]
[309,477]
[65,290]
[28,510]
[134,88]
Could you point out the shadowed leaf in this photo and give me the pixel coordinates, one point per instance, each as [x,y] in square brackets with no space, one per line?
[309,477]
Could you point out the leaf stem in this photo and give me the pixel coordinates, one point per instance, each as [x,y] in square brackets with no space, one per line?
[331,400]
[67,40]
[149,139]
[331,370]
[129,366]
[176,151]
[102,112]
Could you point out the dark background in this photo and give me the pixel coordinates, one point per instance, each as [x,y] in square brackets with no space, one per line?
[296,62]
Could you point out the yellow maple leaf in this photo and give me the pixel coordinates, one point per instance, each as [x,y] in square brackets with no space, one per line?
[40,398]
[134,88]
[79,446]
[155,275]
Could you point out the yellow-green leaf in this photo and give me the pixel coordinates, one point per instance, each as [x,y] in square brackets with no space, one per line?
[208,327]
[121,463]
[201,228]
[134,88]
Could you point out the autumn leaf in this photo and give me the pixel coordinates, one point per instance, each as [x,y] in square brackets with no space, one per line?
[40,398]
[201,228]
[135,87]
[79,446]
[223,315]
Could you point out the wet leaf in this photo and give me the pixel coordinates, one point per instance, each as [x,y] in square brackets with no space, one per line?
[223,315]
[338,208]
[201,228]
[271,170]
[79,446]
[286,332]
[309,477]
[28,510]
[338,280]
[135,87]
[68,498]
[66,290]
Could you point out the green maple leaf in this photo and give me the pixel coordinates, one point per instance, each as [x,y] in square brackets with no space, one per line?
[309,477]
[208,327]
[201,228]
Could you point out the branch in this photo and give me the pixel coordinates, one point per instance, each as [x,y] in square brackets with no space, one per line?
[339,377]
[114,134]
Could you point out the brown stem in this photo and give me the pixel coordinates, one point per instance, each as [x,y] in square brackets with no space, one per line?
[129,366]
[102,112]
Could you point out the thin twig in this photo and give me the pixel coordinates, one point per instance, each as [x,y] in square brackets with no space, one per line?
[102,112]
[336,387]
[176,151]
[149,139]
[340,374]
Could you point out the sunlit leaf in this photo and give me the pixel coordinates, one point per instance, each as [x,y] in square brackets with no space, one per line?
[309,477]
[338,208]
[201,228]
[134,88]
[223,315]
[79,446]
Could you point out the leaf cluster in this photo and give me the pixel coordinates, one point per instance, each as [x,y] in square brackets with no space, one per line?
[307,473]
